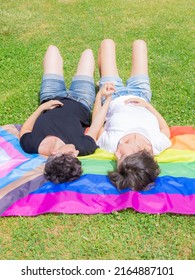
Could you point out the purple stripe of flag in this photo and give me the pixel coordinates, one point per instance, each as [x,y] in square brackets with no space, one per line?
[76,203]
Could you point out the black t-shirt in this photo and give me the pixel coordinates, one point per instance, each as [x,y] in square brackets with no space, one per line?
[67,123]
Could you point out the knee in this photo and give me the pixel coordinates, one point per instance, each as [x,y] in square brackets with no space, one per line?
[52,57]
[88,52]
[88,55]
[52,49]
[107,43]
[139,43]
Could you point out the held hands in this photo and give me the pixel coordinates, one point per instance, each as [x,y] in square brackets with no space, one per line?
[100,110]
[51,104]
[107,90]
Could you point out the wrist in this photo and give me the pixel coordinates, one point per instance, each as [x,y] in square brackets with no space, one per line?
[99,94]
[40,109]
[149,106]
[108,99]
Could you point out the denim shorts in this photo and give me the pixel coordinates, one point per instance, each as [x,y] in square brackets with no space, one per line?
[136,85]
[82,89]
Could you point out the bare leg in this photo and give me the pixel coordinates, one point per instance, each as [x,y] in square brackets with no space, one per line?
[139,58]
[86,65]
[53,62]
[107,59]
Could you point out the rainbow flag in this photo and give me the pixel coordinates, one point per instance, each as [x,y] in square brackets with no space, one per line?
[25,192]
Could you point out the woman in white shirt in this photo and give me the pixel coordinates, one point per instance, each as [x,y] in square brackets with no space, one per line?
[134,130]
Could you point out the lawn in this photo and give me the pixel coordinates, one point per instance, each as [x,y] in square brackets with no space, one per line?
[27,28]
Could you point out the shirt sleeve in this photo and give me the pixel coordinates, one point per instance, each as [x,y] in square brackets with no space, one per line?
[28,144]
[88,146]
[162,143]
[108,141]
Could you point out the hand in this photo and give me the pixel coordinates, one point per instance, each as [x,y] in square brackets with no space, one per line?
[107,90]
[51,104]
[137,102]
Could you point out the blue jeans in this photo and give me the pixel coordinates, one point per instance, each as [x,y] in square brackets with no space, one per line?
[137,85]
[82,89]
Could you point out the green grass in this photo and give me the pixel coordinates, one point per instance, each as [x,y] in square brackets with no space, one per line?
[27,28]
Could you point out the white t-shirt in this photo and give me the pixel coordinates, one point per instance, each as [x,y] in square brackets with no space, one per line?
[123,119]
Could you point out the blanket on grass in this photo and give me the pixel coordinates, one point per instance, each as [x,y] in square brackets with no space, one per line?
[25,192]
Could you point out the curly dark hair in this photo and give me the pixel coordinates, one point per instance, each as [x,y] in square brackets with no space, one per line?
[64,168]
[136,171]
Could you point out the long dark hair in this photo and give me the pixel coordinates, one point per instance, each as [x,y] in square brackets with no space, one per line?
[64,168]
[136,171]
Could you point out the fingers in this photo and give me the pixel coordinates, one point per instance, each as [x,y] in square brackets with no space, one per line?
[51,104]
[56,103]
[110,86]
[108,89]
[134,100]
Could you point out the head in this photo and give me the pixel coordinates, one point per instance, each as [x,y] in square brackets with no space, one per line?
[63,165]
[137,171]
[66,149]
[131,144]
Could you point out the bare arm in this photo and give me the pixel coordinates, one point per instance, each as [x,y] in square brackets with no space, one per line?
[107,89]
[97,105]
[29,123]
[100,111]
[164,128]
